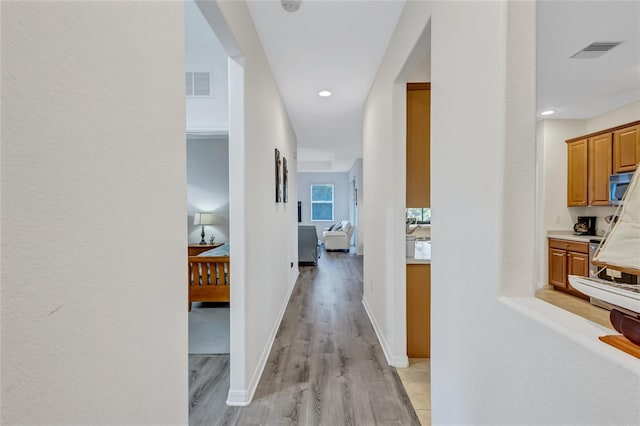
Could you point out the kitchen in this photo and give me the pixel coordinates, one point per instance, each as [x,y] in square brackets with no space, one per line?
[590,139]
[573,111]
[585,196]
[597,175]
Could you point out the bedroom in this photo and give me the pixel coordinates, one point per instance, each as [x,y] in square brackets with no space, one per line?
[207,143]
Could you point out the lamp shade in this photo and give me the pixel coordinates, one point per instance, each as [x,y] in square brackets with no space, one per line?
[204,218]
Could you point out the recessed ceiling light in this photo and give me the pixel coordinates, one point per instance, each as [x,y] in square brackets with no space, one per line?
[324,93]
[548,112]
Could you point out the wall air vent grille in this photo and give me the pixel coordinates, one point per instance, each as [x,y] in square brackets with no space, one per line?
[198,83]
[596,49]
[601,47]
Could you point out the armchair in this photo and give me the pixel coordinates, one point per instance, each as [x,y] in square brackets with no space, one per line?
[339,239]
[307,244]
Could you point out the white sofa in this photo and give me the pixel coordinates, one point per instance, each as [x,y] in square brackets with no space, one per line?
[338,239]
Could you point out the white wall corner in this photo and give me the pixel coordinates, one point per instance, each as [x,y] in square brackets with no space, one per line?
[398,361]
[243,397]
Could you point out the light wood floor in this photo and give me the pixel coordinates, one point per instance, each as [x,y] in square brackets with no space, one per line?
[575,305]
[326,365]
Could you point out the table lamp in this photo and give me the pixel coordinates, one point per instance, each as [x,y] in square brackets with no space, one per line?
[203,219]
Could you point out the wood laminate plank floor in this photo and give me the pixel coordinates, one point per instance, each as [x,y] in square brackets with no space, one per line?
[326,366]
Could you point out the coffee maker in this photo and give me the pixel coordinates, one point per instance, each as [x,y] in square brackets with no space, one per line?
[586,225]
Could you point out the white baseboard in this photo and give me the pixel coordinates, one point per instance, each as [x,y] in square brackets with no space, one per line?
[244,397]
[238,398]
[399,361]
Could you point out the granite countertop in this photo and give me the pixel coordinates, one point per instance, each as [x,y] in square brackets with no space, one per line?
[568,235]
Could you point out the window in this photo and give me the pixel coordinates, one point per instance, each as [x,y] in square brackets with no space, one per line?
[198,83]
[322,202]
[421,215]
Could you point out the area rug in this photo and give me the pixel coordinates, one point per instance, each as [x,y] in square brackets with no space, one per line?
[209,328]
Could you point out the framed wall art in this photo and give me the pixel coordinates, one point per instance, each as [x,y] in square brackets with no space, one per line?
[285,180]
[278,179]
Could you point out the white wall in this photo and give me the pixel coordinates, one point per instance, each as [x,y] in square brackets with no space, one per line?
[384,178]
[552,186]
[491,364]
[617,117]
[264,258]
[208,185]
[341,197]
[422,72]
[94,321]
[204,53]
[532,373]
[557,216]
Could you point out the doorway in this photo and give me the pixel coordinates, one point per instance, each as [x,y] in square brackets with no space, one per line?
[215,127]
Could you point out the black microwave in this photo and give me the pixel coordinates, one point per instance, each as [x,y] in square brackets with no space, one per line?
[618,185]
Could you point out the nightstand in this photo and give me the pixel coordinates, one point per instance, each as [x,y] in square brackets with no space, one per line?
[196,249]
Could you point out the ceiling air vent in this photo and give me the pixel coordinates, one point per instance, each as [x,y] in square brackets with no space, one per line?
[596,49]
[198,83]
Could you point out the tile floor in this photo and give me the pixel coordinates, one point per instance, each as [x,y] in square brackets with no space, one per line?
[417,382]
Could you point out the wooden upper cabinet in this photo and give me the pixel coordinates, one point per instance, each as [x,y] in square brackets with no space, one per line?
[418,144]
[577,167]
[626,149]
[599,169]
[592,158]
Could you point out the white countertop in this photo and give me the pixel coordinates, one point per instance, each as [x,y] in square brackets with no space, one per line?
[414,261]
[423,248]
[422,253]
[568,235]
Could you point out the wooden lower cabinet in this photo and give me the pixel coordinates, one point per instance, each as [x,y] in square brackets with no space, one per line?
[567,258]
[577,264]
[419,310]
[558,267]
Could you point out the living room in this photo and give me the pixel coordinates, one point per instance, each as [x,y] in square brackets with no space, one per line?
[345,189]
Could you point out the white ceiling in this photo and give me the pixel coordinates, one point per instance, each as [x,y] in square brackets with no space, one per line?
[338,45]
[332,45]
[584,88]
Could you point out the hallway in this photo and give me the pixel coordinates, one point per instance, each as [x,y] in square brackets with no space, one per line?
[326,365]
